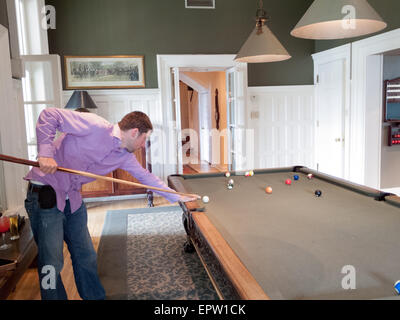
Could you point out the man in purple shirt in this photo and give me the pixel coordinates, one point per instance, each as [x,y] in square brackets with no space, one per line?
[54,203]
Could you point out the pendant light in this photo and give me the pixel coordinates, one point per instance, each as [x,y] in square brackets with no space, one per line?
[262,45]
[338,19]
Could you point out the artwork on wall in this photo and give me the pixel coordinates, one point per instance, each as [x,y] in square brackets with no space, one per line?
[104,72]
[200,4]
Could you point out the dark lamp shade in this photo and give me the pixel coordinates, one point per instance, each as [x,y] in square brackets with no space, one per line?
[80,99]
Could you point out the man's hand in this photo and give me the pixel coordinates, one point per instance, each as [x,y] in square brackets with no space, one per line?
[187,199]
[47,165]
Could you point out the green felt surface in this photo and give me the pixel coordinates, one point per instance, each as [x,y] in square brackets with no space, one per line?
[296,244]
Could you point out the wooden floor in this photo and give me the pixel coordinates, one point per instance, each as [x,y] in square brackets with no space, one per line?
[28,287]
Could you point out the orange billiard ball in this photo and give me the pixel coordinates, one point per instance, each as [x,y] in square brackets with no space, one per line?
[268,190]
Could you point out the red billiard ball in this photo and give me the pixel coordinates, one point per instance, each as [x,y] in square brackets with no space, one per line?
[288,182]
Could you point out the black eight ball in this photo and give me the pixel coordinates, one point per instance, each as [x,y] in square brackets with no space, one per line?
[318,193]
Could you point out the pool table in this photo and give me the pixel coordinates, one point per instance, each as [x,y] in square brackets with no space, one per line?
[291,244]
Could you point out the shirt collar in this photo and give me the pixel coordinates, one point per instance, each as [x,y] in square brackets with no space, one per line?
[117,134]
[116,131]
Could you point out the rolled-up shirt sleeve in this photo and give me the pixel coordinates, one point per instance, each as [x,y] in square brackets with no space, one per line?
[132,165]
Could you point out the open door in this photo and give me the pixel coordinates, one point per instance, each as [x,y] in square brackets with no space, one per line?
[239,155]
[176,114]
[42,88]
[205,127]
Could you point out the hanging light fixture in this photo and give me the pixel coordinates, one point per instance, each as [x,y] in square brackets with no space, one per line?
[338,19]
[262,45]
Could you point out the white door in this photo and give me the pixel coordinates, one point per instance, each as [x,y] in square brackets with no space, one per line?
[239,155]
[42,88]
[330,106]
[205,126]
[176,117]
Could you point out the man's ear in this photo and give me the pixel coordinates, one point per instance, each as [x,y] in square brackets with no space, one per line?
[135,132]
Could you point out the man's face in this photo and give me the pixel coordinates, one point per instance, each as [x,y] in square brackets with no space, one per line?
[137,140]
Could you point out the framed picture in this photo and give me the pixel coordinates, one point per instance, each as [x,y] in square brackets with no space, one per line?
[200,4]
[104,72]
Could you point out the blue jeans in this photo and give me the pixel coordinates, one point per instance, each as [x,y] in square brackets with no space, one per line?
[51,228]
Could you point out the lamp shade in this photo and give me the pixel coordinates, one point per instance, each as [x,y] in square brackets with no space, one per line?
[80,99]
[262,47]
[338,19]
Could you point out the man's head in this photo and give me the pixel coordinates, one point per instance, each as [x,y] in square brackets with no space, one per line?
[135,128]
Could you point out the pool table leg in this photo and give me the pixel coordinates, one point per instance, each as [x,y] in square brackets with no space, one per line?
[188,245]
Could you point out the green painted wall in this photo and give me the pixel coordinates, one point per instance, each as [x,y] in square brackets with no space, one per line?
[389,10]
[151,27]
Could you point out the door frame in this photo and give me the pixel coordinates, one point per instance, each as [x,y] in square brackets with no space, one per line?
[164,65]
[203,93]
[365,158]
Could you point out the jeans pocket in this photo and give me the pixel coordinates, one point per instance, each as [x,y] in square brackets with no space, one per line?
[29,203]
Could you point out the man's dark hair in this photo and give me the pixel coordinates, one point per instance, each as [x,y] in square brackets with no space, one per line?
[136,119]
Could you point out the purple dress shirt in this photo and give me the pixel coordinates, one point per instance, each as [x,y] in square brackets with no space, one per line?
[87,143]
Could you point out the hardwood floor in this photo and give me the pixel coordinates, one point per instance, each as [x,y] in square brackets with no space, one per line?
[28,287]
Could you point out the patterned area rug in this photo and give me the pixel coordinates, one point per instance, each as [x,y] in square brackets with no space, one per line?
[148,262]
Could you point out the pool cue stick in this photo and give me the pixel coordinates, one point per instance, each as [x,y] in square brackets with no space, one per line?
[94,176]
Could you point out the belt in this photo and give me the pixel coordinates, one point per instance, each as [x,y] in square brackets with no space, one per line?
[34,187]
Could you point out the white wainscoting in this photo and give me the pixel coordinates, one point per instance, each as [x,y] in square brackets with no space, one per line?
[283,119]
[113,105]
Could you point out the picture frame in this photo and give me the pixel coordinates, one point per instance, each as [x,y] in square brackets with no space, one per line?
[104,72]
[200,4]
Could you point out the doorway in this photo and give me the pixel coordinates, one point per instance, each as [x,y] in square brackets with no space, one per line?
[203,108]
[170,68]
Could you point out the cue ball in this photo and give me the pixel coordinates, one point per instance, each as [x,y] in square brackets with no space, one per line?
[230,186]
[206,199]
[231,181]
[288,182]
[227,174]
[268,190]
[318,193]
[309,176]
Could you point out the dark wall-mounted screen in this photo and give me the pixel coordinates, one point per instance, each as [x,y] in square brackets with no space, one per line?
[393,111]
